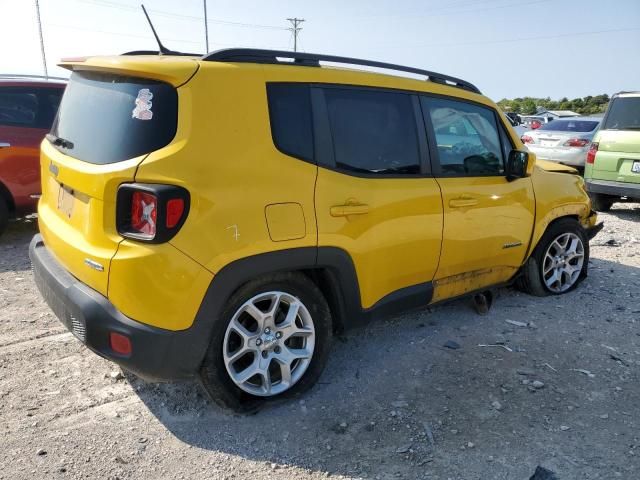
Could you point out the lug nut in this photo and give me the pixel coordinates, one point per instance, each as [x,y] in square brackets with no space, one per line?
[277,349]
[267,330]
[265,354]
[278,334]
[258,342]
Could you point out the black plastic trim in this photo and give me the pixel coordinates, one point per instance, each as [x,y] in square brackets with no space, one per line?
[250,55]
[157,354]
[616,189]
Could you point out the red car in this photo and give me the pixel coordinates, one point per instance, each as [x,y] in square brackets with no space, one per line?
[28,106]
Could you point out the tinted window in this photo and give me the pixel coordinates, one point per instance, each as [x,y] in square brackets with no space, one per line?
[570,126]
[466,136]
[110,118]
[18,107]
[623,114]
[31,107]
[373,131]
[291,124]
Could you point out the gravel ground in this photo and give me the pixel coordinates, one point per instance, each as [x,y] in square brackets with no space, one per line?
[560,390]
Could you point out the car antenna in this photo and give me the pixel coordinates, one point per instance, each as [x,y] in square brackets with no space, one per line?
[162,50]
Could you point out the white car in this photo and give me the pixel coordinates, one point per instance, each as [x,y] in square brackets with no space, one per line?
[565,140]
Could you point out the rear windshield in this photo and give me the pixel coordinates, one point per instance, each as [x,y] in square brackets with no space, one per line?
[105,118]
[623,114]
[570,125]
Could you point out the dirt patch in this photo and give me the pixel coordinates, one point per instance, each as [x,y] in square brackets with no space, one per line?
[396,401]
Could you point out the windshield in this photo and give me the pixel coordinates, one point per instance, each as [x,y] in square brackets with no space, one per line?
[105,118]
[571,125]
[623,114]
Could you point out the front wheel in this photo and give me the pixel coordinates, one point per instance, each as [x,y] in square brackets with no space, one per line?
[272,341]
[559,262]
[4,215]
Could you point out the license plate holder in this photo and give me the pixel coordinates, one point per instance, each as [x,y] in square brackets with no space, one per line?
[635,166]
[66,199]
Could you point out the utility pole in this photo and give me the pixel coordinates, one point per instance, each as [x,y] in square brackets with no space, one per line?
[44,58]
[206,27]
[295,29]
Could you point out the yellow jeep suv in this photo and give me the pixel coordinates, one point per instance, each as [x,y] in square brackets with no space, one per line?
[219,217]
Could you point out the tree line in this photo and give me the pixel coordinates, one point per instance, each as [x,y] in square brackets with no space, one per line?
[530,105]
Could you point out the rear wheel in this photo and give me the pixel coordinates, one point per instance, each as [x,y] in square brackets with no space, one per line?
[601,203]
[272,341]
[4,215]
[559,262]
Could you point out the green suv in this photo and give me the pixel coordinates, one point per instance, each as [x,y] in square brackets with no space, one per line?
[612,168]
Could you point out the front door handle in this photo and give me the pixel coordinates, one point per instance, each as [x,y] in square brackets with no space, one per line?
[463,201]
[5,144]
[348,209]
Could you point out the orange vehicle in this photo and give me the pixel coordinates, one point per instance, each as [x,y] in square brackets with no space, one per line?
[28,106]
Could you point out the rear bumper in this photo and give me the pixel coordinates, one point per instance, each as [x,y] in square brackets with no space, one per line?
[574,157]
[616,189]
[157,354]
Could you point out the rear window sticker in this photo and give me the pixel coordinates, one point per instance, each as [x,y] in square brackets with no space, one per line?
[142,111]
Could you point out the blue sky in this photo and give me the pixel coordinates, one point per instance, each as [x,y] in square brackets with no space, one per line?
[507,48]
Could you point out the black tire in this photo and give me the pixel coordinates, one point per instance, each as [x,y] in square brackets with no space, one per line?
[601,203]
[531,278]
[4,215]
[213,374]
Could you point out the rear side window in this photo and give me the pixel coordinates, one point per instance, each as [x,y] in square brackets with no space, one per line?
[373,131]
[110,118]
[623,114]
[570,126]
[467,138]
[28,107]
[291,120]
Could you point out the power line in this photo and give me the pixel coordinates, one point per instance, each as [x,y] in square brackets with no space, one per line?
[523,39]
[44,58]
[163,13]
[295,29]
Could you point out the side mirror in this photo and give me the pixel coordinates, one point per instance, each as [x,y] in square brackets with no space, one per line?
[517,164]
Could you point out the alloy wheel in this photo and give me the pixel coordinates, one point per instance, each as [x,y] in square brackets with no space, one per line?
[268,344]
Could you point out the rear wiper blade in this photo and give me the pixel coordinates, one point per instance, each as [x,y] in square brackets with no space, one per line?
[59,141]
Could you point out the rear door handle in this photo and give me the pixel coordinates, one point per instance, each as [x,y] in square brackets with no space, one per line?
[346,210]
[463,201]
[5,144]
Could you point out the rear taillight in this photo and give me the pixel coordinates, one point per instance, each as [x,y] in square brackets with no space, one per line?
[576,142]
[535,125]
[149,212]
[144,213]
[591,154]
[526,139]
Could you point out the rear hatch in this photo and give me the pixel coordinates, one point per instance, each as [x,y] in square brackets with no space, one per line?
[115,111]
[618,155]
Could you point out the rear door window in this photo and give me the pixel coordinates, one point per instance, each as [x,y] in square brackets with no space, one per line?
[29,107]
[467,138]
[107,118]
[623,114]
[18,107]
[374,132]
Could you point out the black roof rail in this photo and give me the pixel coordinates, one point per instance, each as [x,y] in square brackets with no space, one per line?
[157,52]
[251,55]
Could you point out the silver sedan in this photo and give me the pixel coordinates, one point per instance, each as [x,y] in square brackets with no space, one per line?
[565,141]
